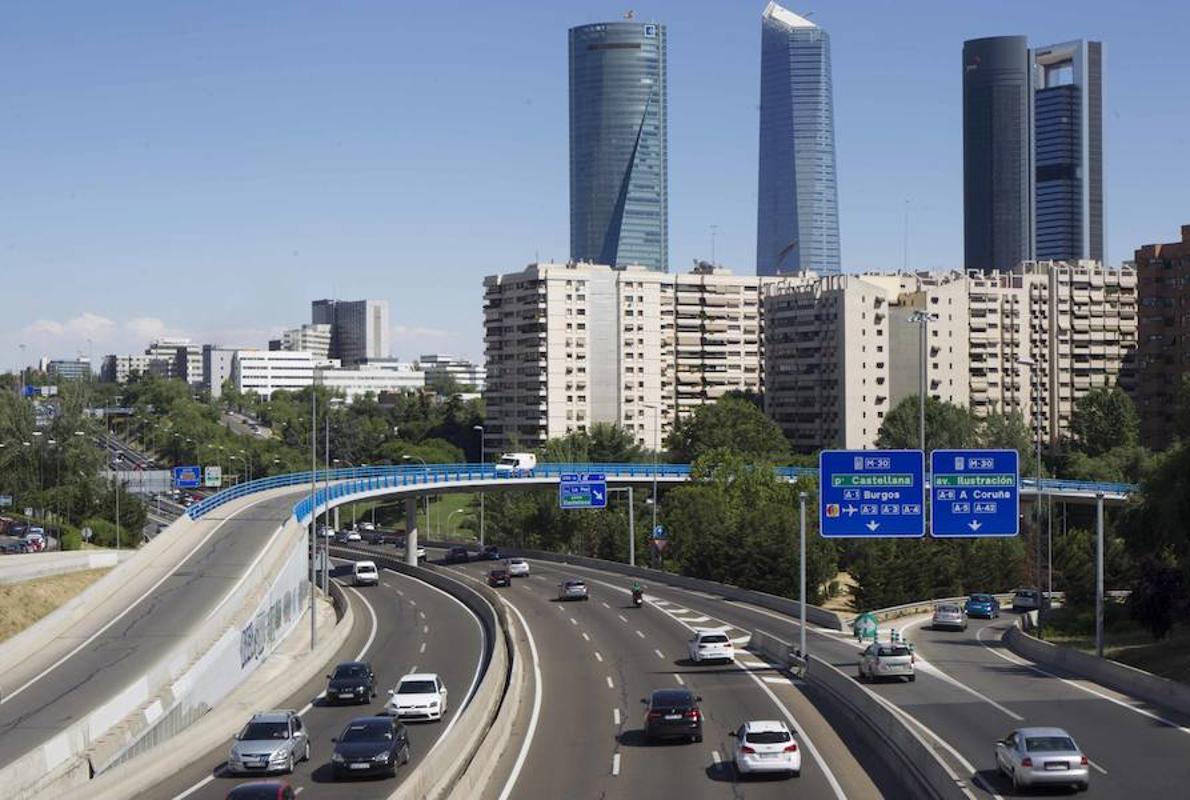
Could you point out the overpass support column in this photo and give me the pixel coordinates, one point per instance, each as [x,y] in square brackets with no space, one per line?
[337,525]
[411,531]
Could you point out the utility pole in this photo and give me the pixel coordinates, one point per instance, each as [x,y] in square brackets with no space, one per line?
[483,460]
[802,569]
[1099,574]
[313,515]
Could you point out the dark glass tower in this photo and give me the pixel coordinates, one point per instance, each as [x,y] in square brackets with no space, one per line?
[797,216]
[619,210]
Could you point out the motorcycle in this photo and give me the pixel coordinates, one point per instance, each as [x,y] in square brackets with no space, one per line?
[638,598]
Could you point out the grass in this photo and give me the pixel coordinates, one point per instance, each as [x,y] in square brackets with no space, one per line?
[1124,640]
[24,603]
[391,515]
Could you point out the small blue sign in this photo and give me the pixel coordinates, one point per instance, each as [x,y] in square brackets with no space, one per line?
[188,477]
[975,493]
[659,532]
[582,491]
[871,494]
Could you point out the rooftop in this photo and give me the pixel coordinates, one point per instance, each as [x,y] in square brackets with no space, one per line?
[784,15]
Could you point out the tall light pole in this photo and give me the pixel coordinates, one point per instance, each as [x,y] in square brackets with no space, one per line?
[313,516]
[1034,368]
[483,460]
[801,496]
[923,319]
[656,436]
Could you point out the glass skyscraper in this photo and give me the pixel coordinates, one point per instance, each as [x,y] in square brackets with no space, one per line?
[797,225]
[619,207]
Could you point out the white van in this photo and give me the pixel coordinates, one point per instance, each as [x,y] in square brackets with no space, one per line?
[365,573]
[516,464]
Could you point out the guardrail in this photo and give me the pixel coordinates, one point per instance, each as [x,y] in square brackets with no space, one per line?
[354,480]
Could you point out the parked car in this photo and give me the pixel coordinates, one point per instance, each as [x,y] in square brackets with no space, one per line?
[367,527]
[457,555]
[518,567]
[708,645]
[572,589]
[419,695]
[364,573]
[516,464]
[887,660]
[673,714]
[1032,757]
[766,746]
[351,681]
[272,741]
[982,605]
[499,577]
[370,745]
[262,790]
[949,616]
[1026,600]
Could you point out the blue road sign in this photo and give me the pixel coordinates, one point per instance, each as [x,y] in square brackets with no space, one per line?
[975,493]
[188,477]
[582,491]
[871,493]
[660,532]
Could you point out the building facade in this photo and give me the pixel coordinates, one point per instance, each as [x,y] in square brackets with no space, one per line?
[797,225]
[619,207]
[71,369]
[1163,353]
[464,373]
[313,339]
[371,379]
[218,365]
[360,329]
[266,371]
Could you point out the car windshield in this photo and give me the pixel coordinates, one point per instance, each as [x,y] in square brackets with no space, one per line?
[367,732]
[255,731]
[893,650]
[253,793]
[980,598]
[416,687]
[516,562]
[715,638]
[1028,594]
[1049,744]
[351,671]
[508,461]
[672,699]
[767,737]
[575,584]
[948,610]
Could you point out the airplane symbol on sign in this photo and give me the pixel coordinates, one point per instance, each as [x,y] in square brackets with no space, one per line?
[850,509]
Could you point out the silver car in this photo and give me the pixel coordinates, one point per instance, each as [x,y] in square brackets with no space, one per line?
[1042,757]
[272,741]
[887,660]
[572,589]
[949,615]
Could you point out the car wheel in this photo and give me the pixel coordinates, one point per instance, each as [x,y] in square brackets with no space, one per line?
[289,764]
[912,678]
[1082,787]
[698,738]
[1016,782]
[797,773]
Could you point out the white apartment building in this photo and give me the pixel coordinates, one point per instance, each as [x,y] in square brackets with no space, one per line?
[462,371]
[268,371]
[371,379]
[310,338]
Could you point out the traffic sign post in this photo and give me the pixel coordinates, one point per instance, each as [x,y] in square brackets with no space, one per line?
[189,477]
[975,493]
[582,491]
[871,494]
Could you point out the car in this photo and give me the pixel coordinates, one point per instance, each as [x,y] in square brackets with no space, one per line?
[572,589]
[1032,757]
[517,567]
[374,537]
[457,555]
[1026,600]
[949,615]
[766,746]
[499,577]
[262,790]
[351,681]
[982,605]
[709,645]
[367,526]
[491,553]
[354,536]
[419,695]
[341,537]
[370,746]
[272,741]
[364,573]
[887,660]
[672,714]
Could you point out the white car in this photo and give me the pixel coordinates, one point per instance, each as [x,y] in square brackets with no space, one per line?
[364,573]
[708,645]
[766,746]
[518,567]
[419,695]
[354,536]
[887,660]
[367,526]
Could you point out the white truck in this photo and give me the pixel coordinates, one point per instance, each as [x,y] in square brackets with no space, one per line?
[516,464]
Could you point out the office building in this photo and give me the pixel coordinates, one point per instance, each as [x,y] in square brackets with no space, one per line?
[1163,351]
[188,364]
[118,369]
[1032,152]
[266,371]
[443,368]
[360,329]
[618,152]
[313,339]
[71,369]
[797,225]
[371,380]
[218,367]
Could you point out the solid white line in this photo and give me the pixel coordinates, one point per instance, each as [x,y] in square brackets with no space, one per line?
[610,685]
[616,717]
[423,648]
[528,739]
[930,669]
[615,764]
[598,657]
[698,619]
[641,635]
[659,654]
[586,637]
[1102,771]
[678,678]
[622,618]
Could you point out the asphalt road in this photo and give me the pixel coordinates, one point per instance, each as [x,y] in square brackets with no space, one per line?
[90,677]
[417,628]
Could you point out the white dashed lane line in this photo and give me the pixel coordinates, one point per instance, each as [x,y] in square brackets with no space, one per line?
[641,635]
[616,717]
[615,764]
[678,678]
[598,657]
[423,648]
[623,618]
[659,654]
[610,685]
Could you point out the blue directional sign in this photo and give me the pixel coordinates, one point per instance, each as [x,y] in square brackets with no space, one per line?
[659,532]
[187,477]
[871,493]
[975,493]
[582,491]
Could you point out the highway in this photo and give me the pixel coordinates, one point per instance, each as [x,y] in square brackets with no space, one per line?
[402,625]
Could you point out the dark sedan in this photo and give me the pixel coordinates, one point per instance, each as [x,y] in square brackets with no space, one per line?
[457,555]
[491,553]
[351,682]
[370,746]
[499,577]
[262,790]
[673,714]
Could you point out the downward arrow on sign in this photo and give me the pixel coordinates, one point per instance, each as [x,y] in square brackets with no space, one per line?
[872,525]
[974,525]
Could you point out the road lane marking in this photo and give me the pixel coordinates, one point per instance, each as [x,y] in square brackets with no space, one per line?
[930,669]
[413,602]
[610,685]
[598,657]
[586,638]
[715,757]
[641,635]
[573,621]
[605,605]
[423,648]
[622,618]
[659,654]
[698,619]
[678,678]
[421,615]
[615,764]
[774,679]
[533,716]
[616,717]
[1102,771]
[425,628]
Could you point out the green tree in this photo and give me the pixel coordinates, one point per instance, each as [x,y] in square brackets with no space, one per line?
[1160,597]
[1009,432]
[731,423]
[601,442]
[947,426]
[1103,419]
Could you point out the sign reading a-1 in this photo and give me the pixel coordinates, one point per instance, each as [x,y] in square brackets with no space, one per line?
[871,493]
[975,493]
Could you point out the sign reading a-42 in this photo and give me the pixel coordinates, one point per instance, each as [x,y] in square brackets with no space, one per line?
[975,493]
[871,493]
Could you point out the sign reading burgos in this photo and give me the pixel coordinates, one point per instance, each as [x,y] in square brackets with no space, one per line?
[871,493]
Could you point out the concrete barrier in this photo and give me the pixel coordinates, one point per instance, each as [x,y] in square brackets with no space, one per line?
[28,566]
[1124,679]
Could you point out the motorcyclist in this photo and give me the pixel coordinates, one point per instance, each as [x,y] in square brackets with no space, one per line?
[638,592]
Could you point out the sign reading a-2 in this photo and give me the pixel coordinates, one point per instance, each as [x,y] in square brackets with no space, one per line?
[871,493]
[975,493]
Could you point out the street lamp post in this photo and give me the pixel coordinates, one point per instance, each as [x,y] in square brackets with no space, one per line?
[1036,385]
[923,319]
[656,446]
[801,496]
[483,460]
[313,516]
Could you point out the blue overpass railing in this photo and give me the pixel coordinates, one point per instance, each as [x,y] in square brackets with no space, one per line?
[354,480]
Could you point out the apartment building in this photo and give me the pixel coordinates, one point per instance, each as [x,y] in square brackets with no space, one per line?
[310,338]
[371,379]
[440,367]
[1163,346]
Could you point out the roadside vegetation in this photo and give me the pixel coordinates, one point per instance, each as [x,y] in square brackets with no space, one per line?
[26,602]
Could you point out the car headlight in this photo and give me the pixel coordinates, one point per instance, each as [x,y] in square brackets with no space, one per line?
[279,754]
[381,758]
[337,758]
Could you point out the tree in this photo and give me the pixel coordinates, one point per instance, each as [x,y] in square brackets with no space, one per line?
[1009,432]
[1103,419]
[730,423]
[602,443]
[1159,597]
[948,427]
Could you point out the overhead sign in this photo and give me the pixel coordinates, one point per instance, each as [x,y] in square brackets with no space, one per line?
[213,477]
[5,500]
[582,491]
[189,477]
[871,493]
[659,532]
[975,493]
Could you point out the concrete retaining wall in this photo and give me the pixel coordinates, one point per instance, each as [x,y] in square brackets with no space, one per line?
[27,566]
[1125,679]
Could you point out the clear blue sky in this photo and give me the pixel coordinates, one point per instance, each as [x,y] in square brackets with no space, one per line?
[209,168]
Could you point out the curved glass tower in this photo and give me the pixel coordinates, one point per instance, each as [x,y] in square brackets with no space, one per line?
[797,225]
[619,209]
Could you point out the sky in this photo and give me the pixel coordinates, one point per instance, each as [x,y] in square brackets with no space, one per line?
[207,169]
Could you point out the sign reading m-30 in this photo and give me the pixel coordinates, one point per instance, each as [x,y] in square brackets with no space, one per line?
[871,493]
[582,491]
[975,493]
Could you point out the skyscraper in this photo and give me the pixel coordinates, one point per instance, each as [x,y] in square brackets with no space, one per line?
[1032,152]
[359,328]
[797,225]
[619,208]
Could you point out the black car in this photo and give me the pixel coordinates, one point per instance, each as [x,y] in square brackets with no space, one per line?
[673,714]
[499,577]
[374,537]
[262,790]
[491,553]
[370,746]
[457,555]
[351,682]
